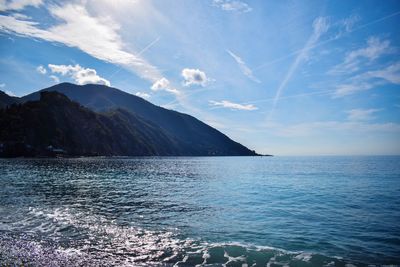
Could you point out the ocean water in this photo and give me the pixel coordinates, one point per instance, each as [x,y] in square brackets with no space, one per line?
[211,211]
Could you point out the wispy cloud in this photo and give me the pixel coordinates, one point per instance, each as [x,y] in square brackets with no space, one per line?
[361,114]
[350,88]
[96,36]
[79,74]
[355,59]
[41,69]
[143,95]
[320,26]
[194,77]
[231,105]
[357,65]
[390,74]
[54,78]
[369,80]
[349,22]
[336,37]
[243,66]
[10,93]
[232,5]
[18,4]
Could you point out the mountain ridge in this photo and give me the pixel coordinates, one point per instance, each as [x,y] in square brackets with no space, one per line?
[56,125]
[191,131]
[194,138]
[6,100]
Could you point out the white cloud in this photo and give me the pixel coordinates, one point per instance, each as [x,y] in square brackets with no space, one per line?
[355,59]
[348,23]
[194,77]
[18,4]
[231,105]
[390,74]
[232,5]
[369,80]
[97,36]
[79,74]
[63,69]
[361,59]
[243,67]
[10,93]
[20,16]
[142,95]
[351,88]
[375,48]
[163,84]
[55,78]
[361,114]
[41,69]
[320,26]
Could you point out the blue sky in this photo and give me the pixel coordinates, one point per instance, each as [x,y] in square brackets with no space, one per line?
[281,77]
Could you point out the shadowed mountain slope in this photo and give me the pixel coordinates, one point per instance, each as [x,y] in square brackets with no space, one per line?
[194,136]
[6,100]
[55,124]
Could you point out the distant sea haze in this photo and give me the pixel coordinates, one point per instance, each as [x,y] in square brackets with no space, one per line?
[187,211]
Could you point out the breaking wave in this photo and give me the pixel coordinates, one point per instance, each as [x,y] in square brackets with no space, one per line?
[61,237]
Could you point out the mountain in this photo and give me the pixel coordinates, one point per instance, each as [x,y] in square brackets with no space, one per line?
[56,125]
[6,100]
[194,136]
[47,122]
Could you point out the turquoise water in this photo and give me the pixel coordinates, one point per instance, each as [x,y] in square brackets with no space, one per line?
[259,211]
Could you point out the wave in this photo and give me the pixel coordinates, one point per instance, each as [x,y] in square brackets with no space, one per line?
[62,237]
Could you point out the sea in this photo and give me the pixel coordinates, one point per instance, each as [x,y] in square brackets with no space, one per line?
[200,211]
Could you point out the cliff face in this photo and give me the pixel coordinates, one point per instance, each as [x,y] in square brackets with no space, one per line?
[56,125]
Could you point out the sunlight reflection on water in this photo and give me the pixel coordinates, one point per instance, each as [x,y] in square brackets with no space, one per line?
[189,211]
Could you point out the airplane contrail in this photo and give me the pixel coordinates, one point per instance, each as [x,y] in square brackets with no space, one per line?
[324,42]
[148,46]
[325,92]
[311,43]
[138,54]
[320,26]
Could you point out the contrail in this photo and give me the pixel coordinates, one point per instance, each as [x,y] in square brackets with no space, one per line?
[148,46]
[138,54]
[324,42]
[319,27]
[311,43]
[174,102]
[325,92]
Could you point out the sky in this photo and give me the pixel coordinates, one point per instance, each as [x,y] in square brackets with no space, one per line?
[281,77]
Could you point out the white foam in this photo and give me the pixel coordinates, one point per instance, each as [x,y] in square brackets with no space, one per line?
[304,257]
[206,255]
[137,246]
